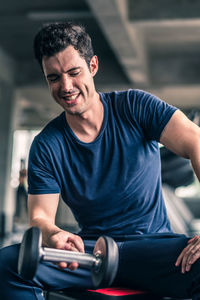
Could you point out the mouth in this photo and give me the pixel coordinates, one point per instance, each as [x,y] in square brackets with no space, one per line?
[71,99]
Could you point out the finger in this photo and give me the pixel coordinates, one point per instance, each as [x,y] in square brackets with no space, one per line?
[195,253]
[62,265]
[72,266]
[185,265]
[194,247]
[184,262]
[193,239]
[70,247]
[185,250]
[180,257]
[194,258]
[189,254]
[78,243]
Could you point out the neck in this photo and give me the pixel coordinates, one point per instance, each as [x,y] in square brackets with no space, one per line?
[87,125]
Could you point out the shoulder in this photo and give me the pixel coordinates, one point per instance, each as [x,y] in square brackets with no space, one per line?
[137,102]
[130,95]
[143,102]
[130,101]
[53,127]
[51,133]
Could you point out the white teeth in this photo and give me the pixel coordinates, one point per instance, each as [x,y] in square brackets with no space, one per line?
[71,98]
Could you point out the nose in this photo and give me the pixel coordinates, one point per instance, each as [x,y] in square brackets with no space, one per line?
[66,83]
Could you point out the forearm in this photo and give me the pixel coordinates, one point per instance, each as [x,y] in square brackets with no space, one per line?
[195,160]
[42,211]
[47,227]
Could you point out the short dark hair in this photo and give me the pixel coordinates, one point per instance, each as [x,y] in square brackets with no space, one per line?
[55,37]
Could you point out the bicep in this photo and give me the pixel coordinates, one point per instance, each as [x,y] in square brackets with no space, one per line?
[181,135]
[43,206]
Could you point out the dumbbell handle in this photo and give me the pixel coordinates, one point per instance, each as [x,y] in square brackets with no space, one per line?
[57,255]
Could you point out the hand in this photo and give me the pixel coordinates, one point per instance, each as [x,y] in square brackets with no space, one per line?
[67,241]
[189,255]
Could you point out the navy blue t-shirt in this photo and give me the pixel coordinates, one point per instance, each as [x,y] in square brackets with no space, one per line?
[113,184]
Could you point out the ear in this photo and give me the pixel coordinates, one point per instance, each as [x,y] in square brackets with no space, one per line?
[94,65]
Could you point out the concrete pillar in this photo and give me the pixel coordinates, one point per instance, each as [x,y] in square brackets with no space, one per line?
[6,135]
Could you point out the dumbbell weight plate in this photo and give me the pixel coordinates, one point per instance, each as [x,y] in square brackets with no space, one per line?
[30,246]
[107,249]
[102,275]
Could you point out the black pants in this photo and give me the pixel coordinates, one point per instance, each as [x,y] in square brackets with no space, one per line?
[146,262]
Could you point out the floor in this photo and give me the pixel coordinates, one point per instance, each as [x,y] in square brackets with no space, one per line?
[15,236]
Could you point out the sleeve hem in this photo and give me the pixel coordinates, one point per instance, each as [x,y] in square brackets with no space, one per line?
[38,192]
[165,121]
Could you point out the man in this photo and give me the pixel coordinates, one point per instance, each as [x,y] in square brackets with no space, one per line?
[102,156]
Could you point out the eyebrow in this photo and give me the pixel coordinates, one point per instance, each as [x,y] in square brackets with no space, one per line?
[73,69]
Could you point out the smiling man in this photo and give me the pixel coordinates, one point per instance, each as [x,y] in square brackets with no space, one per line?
[71,83]
[70,80]
[101,155]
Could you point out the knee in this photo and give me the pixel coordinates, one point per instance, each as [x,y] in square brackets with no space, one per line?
[9,259]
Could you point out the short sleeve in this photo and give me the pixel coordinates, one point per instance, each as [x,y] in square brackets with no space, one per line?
[150,112]
[41,179]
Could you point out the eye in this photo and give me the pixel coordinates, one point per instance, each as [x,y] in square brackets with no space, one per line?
[74,74]
[52,78]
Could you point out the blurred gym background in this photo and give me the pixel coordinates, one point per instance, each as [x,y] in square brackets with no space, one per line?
[151,45]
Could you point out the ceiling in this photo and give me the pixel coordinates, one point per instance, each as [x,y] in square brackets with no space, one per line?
[152,45]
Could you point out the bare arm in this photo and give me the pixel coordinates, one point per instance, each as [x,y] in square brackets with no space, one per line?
[42,212]
[182,136]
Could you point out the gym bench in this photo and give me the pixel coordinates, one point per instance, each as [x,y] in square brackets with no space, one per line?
[111,293]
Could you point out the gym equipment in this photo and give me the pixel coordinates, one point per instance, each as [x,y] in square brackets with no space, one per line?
[103,263]
[111,293]
[176,171]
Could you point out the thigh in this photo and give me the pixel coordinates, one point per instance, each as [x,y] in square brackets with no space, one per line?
[149,263]
[54,278]
[48,275]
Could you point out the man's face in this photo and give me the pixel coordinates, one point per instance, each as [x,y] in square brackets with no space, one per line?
[70,80]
